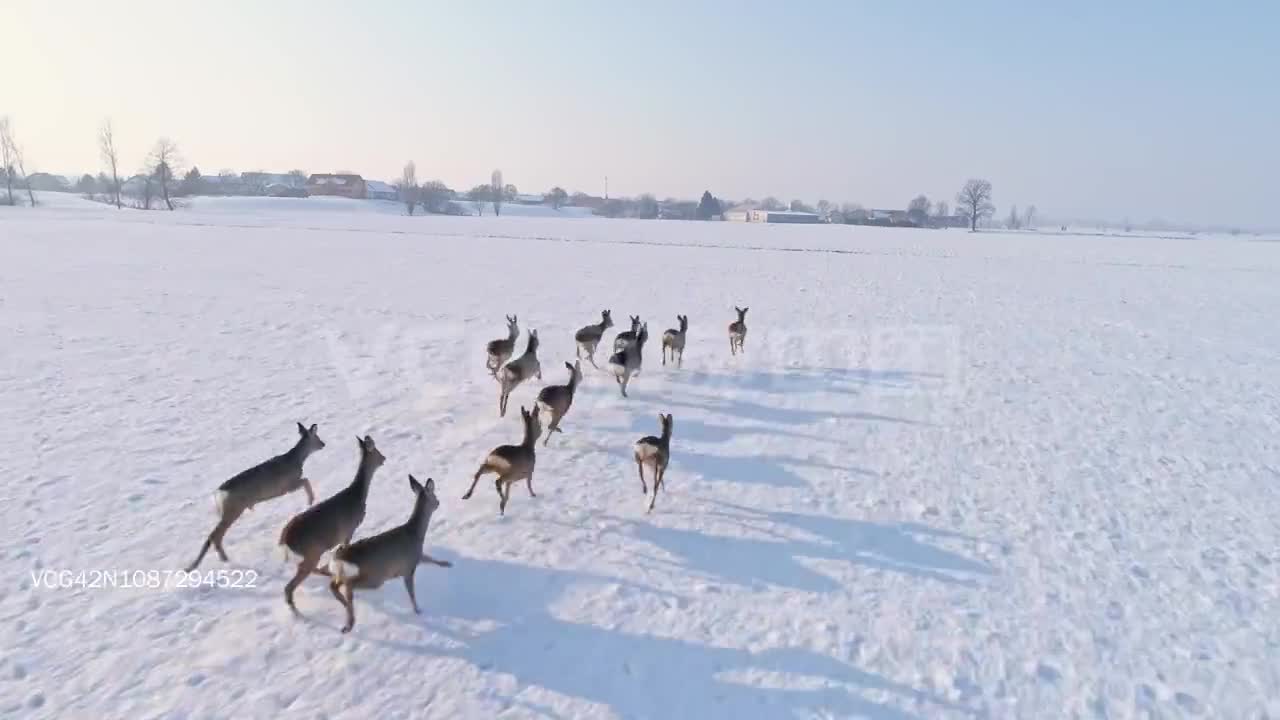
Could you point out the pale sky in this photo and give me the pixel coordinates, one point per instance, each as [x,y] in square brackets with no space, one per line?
[1088,109]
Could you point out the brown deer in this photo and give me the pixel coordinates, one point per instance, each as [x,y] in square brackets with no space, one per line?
[627,337]
[555,400]
[512,463]
[499,351]
[656,453]
[627,361]
[738,331]
[519,370]
[394,553]
[589,337]
[271,479]
[330,522]
[673,340]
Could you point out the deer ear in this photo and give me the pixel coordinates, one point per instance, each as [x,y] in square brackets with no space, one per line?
[360,442]
[301,430]
[313,429]
[414,485]
[430,486]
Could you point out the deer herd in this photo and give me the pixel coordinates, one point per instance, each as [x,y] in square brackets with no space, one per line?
[330,525]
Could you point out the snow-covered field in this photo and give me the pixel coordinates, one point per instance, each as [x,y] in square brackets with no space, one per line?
[954,476]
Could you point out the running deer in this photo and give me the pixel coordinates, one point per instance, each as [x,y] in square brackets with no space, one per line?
[556,399]
[278,476]
[674,340]
[330,522]
[394,553]
[738,331]
[519,370]
[627,362]
[512,463]
[627,337]
[499,351]
[656,453]
[589,337]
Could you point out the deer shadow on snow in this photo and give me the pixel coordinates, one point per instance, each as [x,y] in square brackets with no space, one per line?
[812,380]
[742,409]
[753,561]
[636,675]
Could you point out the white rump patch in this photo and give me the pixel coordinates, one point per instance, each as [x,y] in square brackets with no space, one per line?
[497,463]
[646,452]
[342,570]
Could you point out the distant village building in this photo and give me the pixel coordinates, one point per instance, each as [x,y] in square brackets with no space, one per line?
[529,199]
[376,190]
[340,185]
[742,213]
[259,182]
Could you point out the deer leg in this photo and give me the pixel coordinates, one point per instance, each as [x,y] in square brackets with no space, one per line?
[475,480]
[220,532]
[333,588]
[733,349]
[528,481]
[503,486]
[311,493]
[644,489]
[664,355]
[214,536]
[408,585]
[625,379]
[591,355]
[428,559]
[351,608]
[680,363]
[502,403]
[305,568]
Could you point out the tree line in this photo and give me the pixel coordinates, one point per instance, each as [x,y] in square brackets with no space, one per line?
[157,183]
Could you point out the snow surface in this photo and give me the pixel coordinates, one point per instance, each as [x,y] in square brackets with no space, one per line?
[953,476]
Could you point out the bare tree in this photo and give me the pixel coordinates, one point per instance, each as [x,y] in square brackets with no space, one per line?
[164,162]
[496,191]
[941,209]
[480,195]
[147,189]
[824,208]
[1029,217]
[1013,222]
[918,210]
[974,201]
[434,196]
[772,203]
[409,186]
[557,197]
[8,159]
[107,148]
